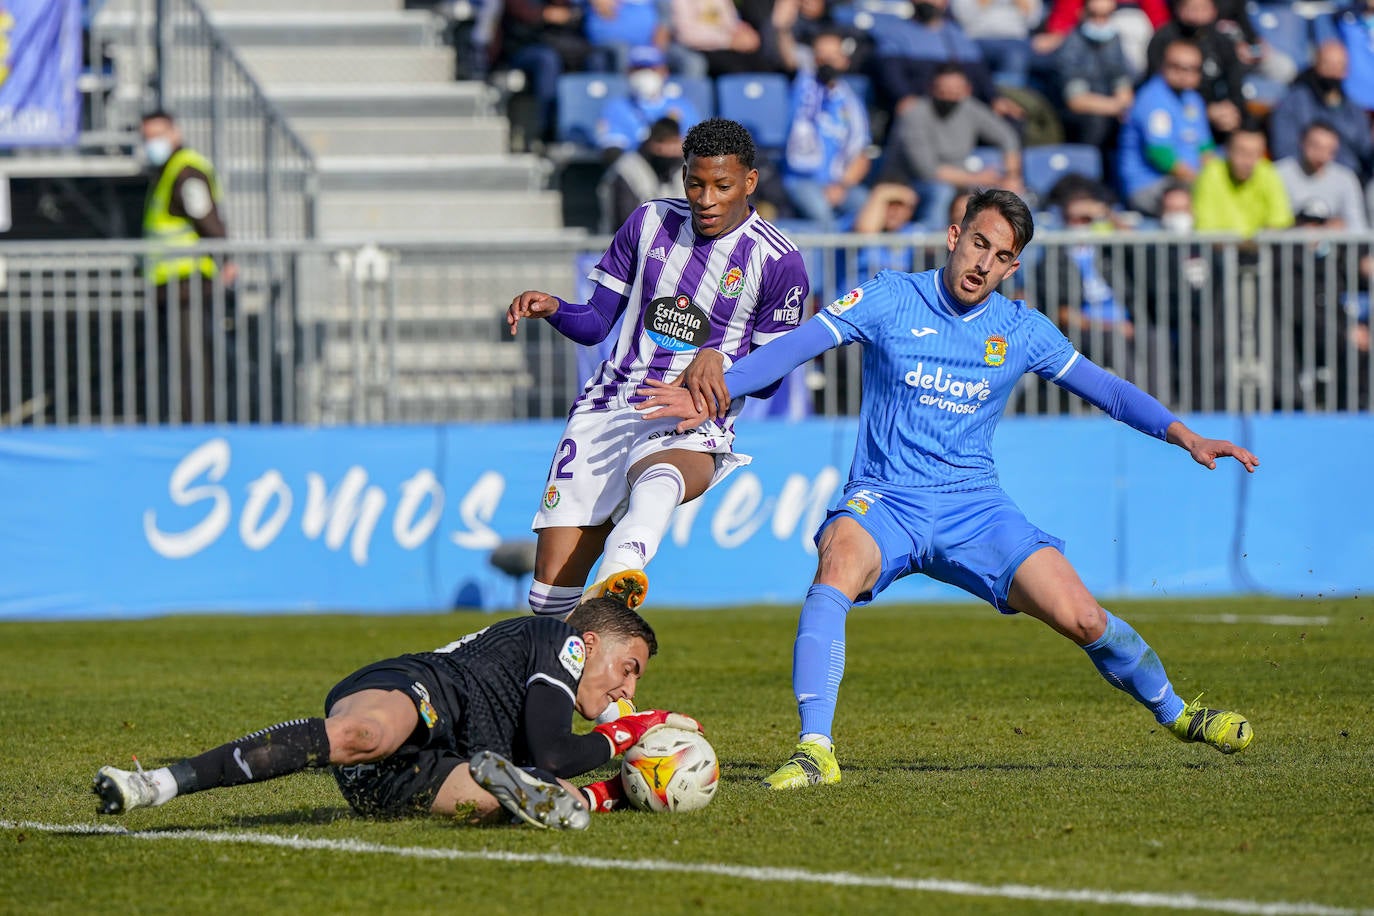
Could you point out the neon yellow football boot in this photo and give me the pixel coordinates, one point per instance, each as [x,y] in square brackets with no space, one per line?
[811,764]
[629,587]
[1224,730]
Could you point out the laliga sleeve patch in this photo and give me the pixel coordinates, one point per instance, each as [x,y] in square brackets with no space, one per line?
[573,656]
[845,302]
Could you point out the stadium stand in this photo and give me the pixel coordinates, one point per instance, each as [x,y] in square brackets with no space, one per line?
[1044,165]
[759,101]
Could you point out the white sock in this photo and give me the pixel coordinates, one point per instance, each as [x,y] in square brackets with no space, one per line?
[554,600]
[634,540]
[165,783]
[818,739]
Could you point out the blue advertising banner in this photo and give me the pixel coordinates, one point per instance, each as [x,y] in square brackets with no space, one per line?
[133,522]
[40,61]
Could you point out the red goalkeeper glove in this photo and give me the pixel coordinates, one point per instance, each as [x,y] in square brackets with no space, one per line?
[626,731]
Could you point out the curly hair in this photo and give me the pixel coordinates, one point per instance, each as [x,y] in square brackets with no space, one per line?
[607,617]
[720,137]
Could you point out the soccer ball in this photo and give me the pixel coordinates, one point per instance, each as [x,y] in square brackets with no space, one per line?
[670,769]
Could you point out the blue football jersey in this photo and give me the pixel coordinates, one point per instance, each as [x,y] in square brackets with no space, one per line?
[937,376]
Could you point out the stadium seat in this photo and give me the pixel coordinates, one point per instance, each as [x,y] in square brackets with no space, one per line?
[1262,91]
[1044,165]
[983,157]
[761,102]
[699,90]
[580,98]
[1283,28]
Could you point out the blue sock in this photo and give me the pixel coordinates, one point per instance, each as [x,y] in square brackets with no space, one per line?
[818,658]
[1128,663]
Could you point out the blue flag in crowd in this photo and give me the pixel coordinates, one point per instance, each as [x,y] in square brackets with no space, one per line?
[40,60]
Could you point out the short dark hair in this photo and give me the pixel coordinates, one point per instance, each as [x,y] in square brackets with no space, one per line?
[608,617]
[1322,124]
[158,114]
[720,137]
[664,129]
[947,68]
[1012,208]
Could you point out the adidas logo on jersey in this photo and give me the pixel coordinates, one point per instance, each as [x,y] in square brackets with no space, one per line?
[659,254]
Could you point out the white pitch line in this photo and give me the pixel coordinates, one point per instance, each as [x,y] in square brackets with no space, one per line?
[740,872]
[1273,620]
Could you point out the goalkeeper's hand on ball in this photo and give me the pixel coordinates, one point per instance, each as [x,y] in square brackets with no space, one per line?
[625,732]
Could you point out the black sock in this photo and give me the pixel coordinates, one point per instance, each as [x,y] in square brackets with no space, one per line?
[275,751]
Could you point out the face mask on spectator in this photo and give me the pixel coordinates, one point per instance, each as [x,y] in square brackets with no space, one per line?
[943,107]
[925,12]
[158,150]
[1098,32]
[826,73]
[646,83]
[1178,222]
[1327,85]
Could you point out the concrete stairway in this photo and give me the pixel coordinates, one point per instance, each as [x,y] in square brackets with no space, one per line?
[403,150]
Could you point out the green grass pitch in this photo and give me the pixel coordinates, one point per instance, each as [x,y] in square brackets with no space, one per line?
[975,749]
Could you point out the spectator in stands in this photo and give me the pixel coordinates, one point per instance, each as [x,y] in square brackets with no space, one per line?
[798,22]
[713,37]
[932,139]
[1094,80]
[908,51]
[1222,72]
[1233,21]
[1077,278]
[542,39]
[1318,95]
[1165,137]
[1001,29]
[650,171]
[1353,26]
[1135,21]
[1241,193]
[183,209]
[614,27]
[625,120]
[826,159]
[1320,189]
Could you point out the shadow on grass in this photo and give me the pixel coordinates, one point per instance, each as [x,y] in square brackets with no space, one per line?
[325,815]
[752,771]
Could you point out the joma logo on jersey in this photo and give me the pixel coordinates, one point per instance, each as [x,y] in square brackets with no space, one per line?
[995,350]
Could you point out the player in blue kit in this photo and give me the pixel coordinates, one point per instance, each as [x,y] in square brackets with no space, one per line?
[943,351]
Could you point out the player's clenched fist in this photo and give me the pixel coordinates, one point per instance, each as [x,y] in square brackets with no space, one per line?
[626,731]
[530,304]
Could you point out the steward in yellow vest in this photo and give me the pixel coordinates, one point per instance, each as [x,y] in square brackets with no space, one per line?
[194,303]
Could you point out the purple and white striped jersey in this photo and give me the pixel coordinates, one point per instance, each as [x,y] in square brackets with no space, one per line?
[682,291]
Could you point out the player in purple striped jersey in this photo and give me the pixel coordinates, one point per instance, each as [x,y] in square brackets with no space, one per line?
[700,281]
[943,351]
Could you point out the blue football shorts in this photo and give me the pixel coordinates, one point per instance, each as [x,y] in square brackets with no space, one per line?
[975,540]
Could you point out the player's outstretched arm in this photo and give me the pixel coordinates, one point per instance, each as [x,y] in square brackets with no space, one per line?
[668,399]
[530,304]
[1206,451]
[704,378]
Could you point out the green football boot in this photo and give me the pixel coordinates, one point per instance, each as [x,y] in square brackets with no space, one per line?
[1226,731]
[811,764]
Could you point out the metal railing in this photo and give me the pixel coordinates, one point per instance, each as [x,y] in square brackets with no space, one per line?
[170,53]
[319,333]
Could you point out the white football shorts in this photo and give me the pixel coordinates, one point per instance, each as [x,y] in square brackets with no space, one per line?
[587,481]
